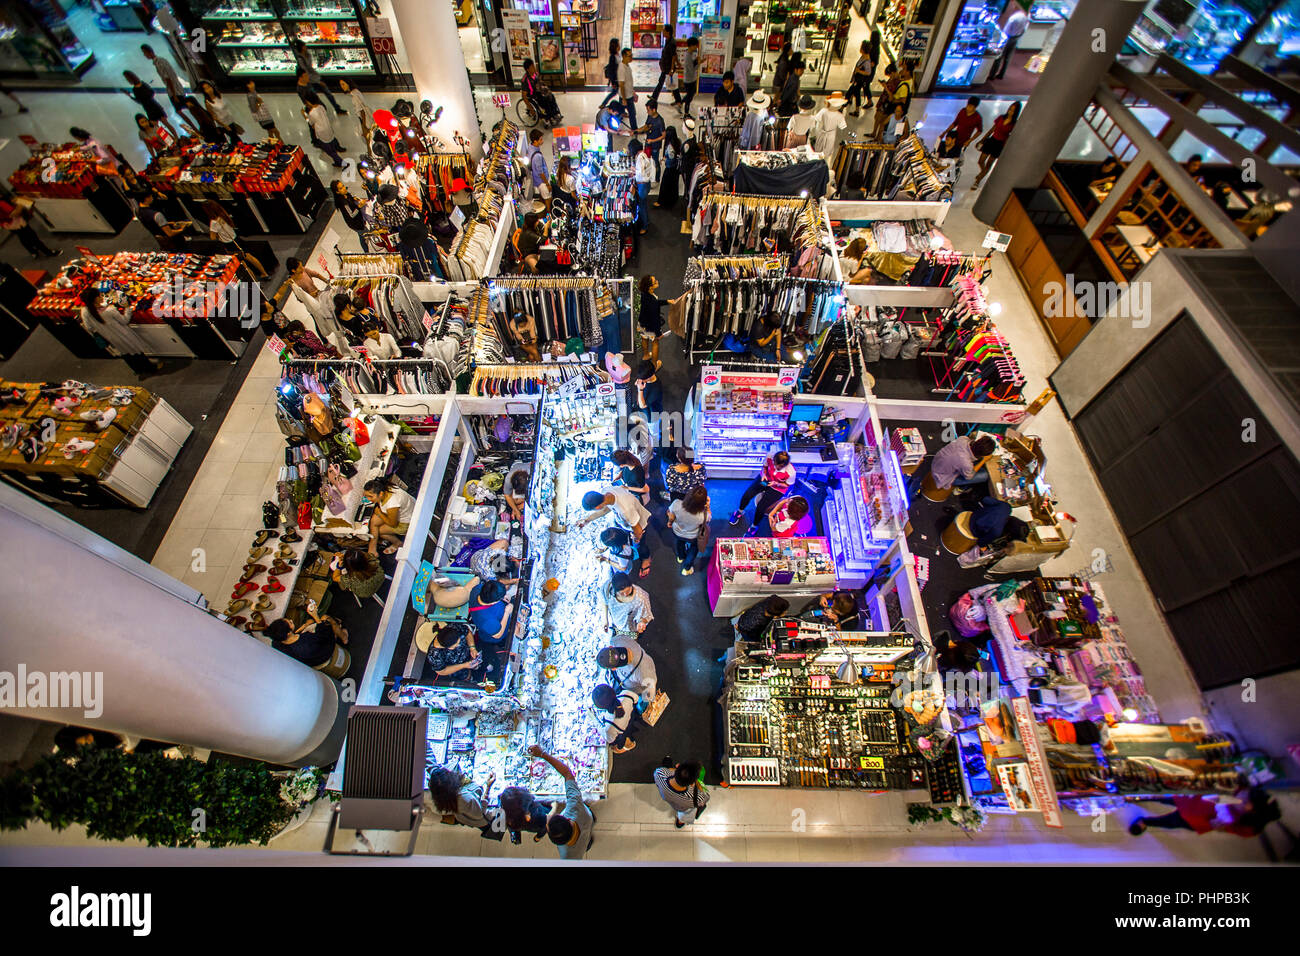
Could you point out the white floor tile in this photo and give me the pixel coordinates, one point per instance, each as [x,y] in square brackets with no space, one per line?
[248,478]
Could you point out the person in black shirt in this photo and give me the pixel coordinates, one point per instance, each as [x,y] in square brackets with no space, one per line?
[631,475]
[650,318]
[789,103]
[729,94]
[611,72]
[350,207]
[316,643]
[667,63]
[167,233]
[753,623]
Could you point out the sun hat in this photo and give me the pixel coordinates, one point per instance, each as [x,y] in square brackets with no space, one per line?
[760,100]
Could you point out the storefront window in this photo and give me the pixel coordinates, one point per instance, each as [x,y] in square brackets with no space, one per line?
[1199,35]
[996,41]
[817,29]
[1278,39]
[37,39]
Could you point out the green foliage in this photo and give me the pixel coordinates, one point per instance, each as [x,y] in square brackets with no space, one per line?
[969,819]
[165,801]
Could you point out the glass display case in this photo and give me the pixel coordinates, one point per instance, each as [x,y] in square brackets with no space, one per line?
[977,41]
[253,38]
[1199,35]
[1043,16]
[1278,39]
[691,14]
[40,39]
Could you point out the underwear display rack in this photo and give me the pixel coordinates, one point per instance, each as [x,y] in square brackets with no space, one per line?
[529,379]
[870,167]
[715,308]
[969,358]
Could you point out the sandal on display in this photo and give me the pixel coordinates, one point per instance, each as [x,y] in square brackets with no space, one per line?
[237,621]
[236,606]
[242,588]
[280,567]
[284,552]
[251,571]
[256,622]
[272,587]
[291,536]
[258,552]
[264,603]
[260,538]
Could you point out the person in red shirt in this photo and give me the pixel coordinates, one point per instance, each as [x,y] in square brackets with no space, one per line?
[1245,819]
[990,146]
[968,124]
[777,478]
[789,518]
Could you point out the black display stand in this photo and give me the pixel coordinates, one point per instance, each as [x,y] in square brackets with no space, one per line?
[293,210]
[16,323]
[111,203]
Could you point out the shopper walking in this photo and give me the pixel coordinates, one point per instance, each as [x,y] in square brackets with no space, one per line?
[323,136]
[1248,817]
[967,124]
[777,478]
[615,711]
[630,668]
[995,139]
[788,105]
[459,800]
[627,88]
[167,74]
[885,102]
[643,171]
[19,222]
[650,320]
[143,94]
[667,63]
[360,105]
[689,520]
[571,828]
[782,70]
[690,73]
[611,73]
[352,211]
[303,55]
[261,113]
[217,107]
[864,72]
[538,175]
[682,476]
[679,786]
[668,192]
[1013,29]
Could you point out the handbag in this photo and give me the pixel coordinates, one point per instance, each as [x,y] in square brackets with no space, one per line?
[270,515]
[695,798]
[304,516]
[702,539]
[360,432]
[654,710]
[335,477]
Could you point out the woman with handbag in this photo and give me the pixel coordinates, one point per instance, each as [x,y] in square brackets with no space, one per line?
[689,519]
[680,787]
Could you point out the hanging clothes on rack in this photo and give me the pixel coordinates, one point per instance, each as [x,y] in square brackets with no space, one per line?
[529,379]
[864,171]
[560,308]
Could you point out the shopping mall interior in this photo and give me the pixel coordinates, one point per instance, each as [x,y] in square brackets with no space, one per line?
[692,431]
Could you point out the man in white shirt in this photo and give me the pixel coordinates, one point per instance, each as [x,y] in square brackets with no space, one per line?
[322,129]
[626,87]
[1016,24]
[629,513]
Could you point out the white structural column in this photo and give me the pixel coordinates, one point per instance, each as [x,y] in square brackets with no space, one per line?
[437,63]
[169,671]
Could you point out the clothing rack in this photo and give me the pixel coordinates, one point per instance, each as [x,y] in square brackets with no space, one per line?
[913,167]
[438,171]
[529,378]
[970,359]
[561,308]
[718,307]
[719,128]
[874,162]
[369,264]
[737,267]
[729,223]
[391,299]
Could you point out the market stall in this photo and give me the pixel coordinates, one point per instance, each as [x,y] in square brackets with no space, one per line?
[87,444]
[69,190]
[267,188]
[181,305]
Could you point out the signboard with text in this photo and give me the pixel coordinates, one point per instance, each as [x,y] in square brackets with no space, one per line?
[1040,776]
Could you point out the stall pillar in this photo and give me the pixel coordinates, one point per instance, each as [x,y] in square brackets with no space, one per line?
[1059,99]
[169,670]
[438,66]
